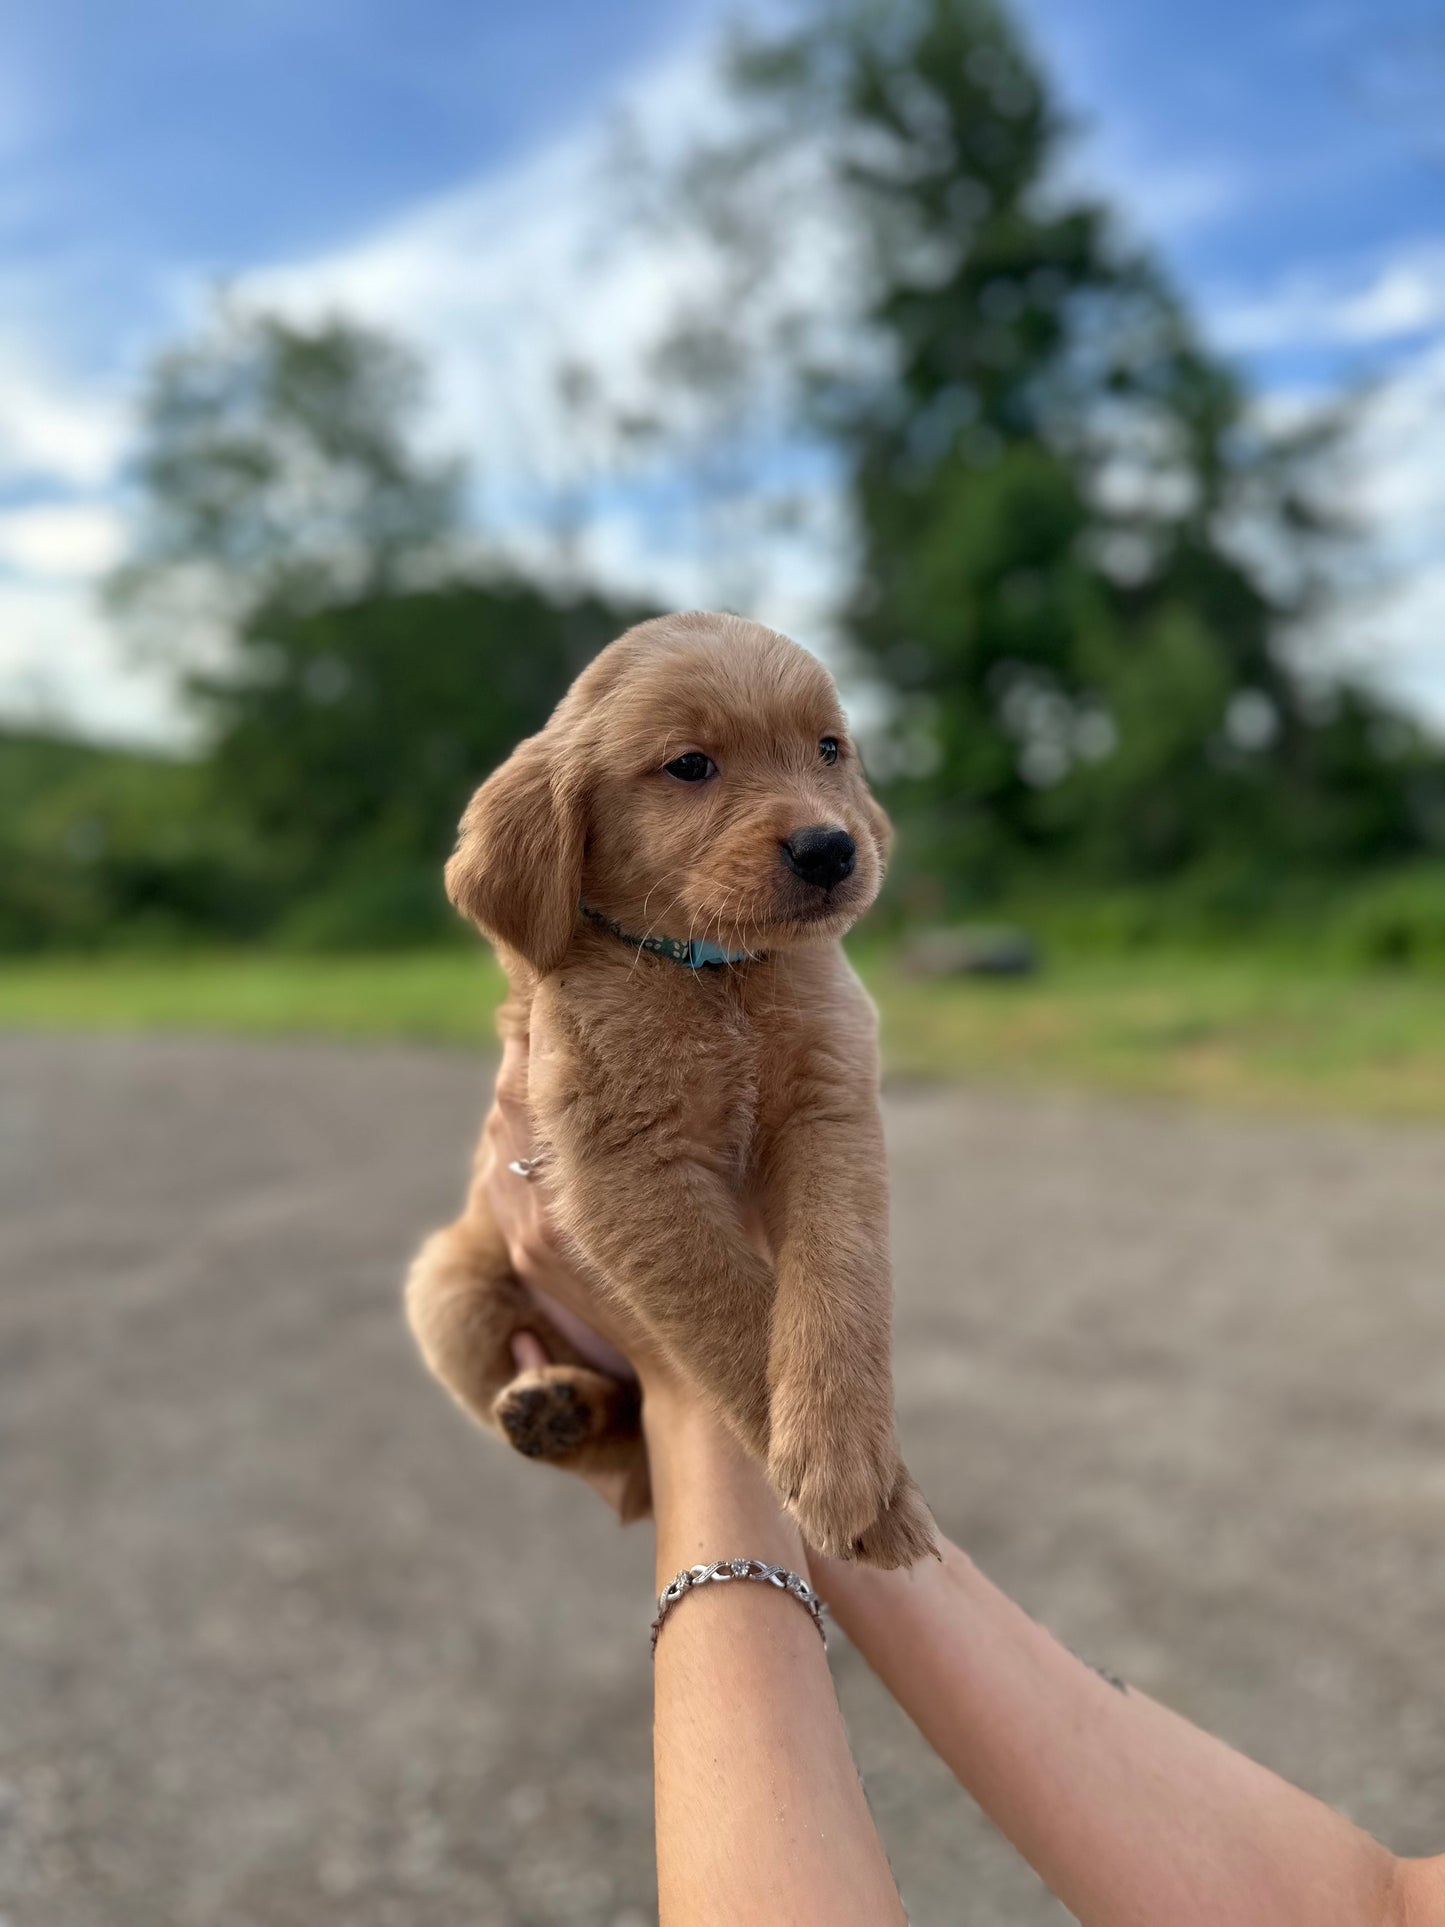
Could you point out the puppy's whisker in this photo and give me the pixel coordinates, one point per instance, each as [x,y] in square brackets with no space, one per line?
[720,913]
[647,929]
[738,920]
[736,943]
[716,921]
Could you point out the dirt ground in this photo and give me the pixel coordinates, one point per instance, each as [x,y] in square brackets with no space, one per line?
[283,1642]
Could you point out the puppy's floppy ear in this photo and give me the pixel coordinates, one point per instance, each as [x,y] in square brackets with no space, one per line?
[517,869]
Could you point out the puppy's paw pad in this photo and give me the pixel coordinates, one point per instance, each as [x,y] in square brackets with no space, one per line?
[543,1417]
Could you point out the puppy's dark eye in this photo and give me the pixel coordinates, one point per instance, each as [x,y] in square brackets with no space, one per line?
[828,749]
[694,767]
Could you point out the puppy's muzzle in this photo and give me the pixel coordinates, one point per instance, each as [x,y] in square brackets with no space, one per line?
[820,855]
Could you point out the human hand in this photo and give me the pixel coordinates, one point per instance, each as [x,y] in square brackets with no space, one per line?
[519,1208]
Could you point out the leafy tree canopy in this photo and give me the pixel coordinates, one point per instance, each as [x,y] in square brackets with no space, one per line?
[1085,573]
[278,469]
[354,733]
[355,684]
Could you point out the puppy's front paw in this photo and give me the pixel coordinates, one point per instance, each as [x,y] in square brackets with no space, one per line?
[903,1533]
[832,1471]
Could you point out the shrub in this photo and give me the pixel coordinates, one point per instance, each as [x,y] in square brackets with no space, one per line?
[397,907]
[1398,922]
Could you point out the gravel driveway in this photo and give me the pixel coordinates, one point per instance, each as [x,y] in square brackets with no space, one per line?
[284,1643]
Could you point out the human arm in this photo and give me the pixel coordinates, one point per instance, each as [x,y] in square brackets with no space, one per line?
[760,1814]
[1129,1813]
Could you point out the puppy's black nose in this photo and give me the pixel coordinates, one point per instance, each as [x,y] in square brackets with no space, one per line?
[821,855]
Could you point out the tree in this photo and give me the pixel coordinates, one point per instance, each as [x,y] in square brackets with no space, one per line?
[356,685]
[277,470]
[1083,569]
[357,730]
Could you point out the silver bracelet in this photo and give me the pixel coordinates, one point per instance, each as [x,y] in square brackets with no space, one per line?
[723,1570]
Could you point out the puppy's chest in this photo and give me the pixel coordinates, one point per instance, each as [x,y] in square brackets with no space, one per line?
[692,1065]
[700,1077]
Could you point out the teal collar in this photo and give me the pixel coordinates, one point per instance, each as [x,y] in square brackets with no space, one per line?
[694,954]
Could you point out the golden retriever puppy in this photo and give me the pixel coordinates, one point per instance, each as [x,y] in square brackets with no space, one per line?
[665,871]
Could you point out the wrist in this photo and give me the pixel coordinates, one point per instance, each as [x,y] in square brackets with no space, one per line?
[673,1414]
[869,1600]
[690,1449]
[711,1499]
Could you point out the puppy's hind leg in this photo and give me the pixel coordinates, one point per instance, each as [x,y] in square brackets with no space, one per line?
[465,1305]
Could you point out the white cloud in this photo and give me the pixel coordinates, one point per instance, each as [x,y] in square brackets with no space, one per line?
[59,663]
[67,539]
[1400,447]
[1393,301]
[61,666]
[502,283]
[790,580]
[1395,462]
[52,426]
[1395,636]
[1158,195]
[499,281]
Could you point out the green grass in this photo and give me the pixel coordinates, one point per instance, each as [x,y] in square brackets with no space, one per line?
[1255,1030]
[1250,1031]
[443,996]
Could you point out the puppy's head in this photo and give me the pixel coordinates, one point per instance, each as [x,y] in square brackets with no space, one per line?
[698,780]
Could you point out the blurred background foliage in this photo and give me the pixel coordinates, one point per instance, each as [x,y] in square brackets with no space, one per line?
[1085,577]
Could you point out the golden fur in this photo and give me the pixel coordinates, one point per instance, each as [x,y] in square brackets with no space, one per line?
[673,1104]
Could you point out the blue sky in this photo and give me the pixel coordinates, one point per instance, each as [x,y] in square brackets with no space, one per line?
[412,161]
[158,141]
[1296,104]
